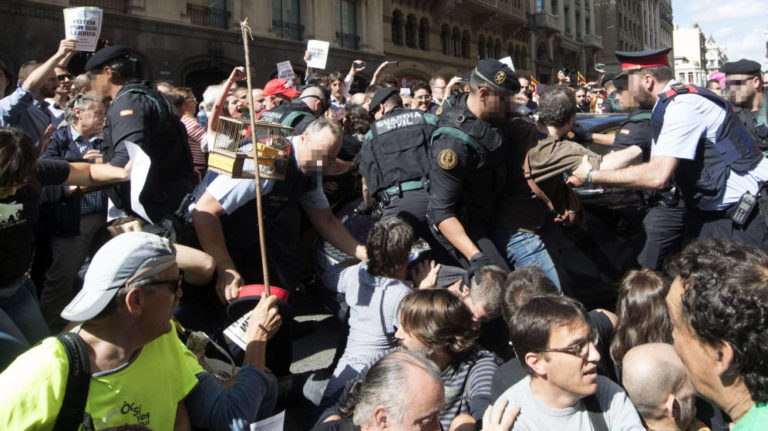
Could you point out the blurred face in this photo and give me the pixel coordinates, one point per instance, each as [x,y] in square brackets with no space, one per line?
[525,86]
[337,89]
[50,85]
[716,88]
[495,104]
[100,84]
[581,97]
[190,105]
[742,89]
[161,302]
[625,99]
[274,101]
[90,121]
[65,80]
[699,358]
[422,98]
[258,100]
[638,87]
[572,374]
[233,107]
[765,79]
[438,90]
[317,150]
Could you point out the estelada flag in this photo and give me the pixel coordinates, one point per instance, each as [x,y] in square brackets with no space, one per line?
[534,81]
[580,78]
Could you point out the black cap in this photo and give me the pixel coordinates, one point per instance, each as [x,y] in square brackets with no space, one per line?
[380,97]
[498,74]
[621,81]
[632,60]
[104,56]
[741,67]
[607,77]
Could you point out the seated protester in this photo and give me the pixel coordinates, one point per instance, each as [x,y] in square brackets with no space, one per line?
[436,323]
[535,189]
[725,356]
[657,383]
[133,355]
[21,173]
[373,291]
[531,282]
[563,390]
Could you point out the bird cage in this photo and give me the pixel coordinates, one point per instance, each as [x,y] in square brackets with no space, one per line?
[232,152]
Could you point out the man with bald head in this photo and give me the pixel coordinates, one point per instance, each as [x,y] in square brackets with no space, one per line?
[310,104]
[658,385]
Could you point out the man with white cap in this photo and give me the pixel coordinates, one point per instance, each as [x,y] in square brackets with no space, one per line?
[140,372]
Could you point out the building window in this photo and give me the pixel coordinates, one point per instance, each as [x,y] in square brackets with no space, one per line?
[524,58]
[445,39]
[456,42]
[586,25]
[410,31]
[397,27]
[286,20]
[554,7]
[346,24]
[465,41]
[578,25]
[481,47]
[489,48]
[497,49]
[424,34]
[567,18]
[539,6]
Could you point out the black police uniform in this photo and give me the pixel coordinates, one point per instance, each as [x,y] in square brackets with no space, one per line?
[141,115]
[394,160]
[465,177]
[294,114]
[755,122]
[664,223]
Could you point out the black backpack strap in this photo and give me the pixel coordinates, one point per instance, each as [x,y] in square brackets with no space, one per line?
[595,413]
[72,413]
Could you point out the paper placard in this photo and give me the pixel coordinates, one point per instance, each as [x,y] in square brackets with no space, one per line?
[508,61]
[237,331]
[84,25]
[318,53]
[139,172]
[272,423]
[285,71]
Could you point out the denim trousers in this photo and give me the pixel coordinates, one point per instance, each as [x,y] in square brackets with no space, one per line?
[21,321]
[523,249]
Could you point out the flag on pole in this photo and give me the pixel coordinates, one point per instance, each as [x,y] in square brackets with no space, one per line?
[580,78]
[534,81]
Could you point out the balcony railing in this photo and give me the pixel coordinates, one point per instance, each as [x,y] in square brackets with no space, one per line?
[288,30]
[347,40]
[207,16]
[108,5]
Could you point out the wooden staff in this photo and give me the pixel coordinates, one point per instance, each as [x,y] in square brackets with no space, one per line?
[262,244]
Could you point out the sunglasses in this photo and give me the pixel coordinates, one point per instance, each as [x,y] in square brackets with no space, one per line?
[173,282]
[65,77]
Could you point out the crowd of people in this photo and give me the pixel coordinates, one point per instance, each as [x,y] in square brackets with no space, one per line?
[125,255]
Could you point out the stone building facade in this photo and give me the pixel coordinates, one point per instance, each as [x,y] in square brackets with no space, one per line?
[198,42]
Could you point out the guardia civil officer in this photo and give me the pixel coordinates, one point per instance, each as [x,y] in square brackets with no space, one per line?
[394,160]
[467,166]
[700,143]
[747,93]
[311,103]
[141,115]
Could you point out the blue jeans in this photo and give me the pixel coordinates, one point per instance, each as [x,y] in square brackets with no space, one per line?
[523,249]
[21,321]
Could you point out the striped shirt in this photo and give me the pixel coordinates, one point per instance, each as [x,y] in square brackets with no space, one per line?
[468,385]
[196,135]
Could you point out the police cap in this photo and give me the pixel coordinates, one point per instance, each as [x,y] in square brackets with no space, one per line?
[103,56]
[635,60]
[621,81]
[607,77]
[498,75]
[742,67]
[380,97]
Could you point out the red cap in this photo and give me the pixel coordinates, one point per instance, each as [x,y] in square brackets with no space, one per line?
[280,86]
[633,60]
[251,290]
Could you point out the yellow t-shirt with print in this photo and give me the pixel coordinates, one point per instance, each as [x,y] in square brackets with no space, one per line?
[144,392]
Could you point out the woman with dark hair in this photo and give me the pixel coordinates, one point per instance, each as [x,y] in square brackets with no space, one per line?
[642,312]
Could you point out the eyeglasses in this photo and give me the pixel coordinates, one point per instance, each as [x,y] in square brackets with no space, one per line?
[65,77]
[579,349]
[174,282]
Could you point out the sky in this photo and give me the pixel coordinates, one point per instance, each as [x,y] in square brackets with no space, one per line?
[738,25]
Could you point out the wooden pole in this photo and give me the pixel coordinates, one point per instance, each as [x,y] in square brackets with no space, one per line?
[262,244]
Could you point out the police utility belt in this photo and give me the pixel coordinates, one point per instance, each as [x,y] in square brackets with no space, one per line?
[398,189]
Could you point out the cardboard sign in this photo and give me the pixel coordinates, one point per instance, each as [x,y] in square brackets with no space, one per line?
[508,61]
[84,25]
[285,71]
[318,53]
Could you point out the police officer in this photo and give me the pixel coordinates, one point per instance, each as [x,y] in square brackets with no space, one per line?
[394,160]
[747,93]
[311,103]
[467,166]
[700,143]
[141,115]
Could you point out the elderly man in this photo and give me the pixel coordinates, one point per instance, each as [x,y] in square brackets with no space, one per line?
[72,235]
[563,391]
[658,385]
[135,369]
[725,355]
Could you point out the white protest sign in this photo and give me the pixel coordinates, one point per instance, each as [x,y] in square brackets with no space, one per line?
[272,423]
[84,25]
[318,53]
[508,62]
[285,71]
[141,165]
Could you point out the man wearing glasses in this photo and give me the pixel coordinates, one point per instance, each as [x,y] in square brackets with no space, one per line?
[58,103]
[700,143]
[747,92]
[553,340]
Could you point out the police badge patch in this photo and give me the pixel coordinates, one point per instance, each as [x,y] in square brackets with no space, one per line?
[447,159]
[500,77]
